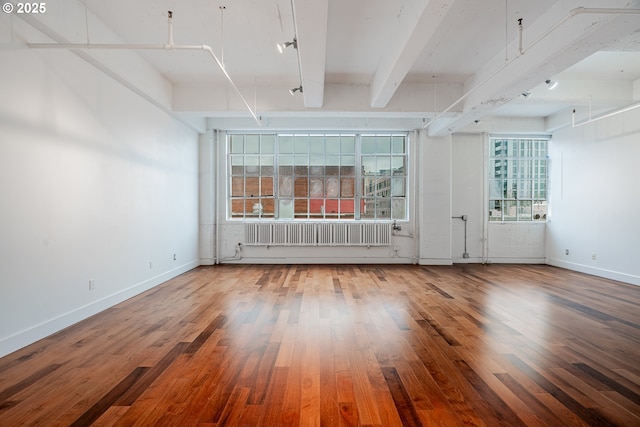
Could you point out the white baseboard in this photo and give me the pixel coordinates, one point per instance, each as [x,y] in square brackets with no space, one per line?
[318,260]
[504,260]
[594,271]
[435,261]
[37,332]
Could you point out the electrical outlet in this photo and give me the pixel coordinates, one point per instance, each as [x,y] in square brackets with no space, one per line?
[92,284]
[593,256]
[174,257]
[566,251]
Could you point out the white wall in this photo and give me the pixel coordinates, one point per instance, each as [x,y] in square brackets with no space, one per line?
[95,183]
[434,199]
[468,197]
[595,198]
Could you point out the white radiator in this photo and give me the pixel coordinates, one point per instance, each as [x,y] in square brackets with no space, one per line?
[317,234]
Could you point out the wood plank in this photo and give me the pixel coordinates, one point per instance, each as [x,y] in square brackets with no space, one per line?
[343,345]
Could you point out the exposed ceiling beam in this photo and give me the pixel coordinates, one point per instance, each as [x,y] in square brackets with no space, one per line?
[311,31]
[552,48]
[419,20]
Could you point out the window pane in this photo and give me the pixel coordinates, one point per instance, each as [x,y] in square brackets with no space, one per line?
[251,165]
[332,160]
[497,148]
[383,144]
[524,189]
[383,208]
[369,165]
[252,207]
[333,144]
[285,188]
[285,144]
[497,168]
[347,208]
[524,210]
[348,160]
[398,165]
[268,207]
[331,207]
[540,190]
[368,145]
[348,145]
[237,165]
[301,144]
[237,208]
[237,186]
[301,187]
[369,208]
[268,144]
[252,144]
[252,186]
[398,145]
[495,188]
[495,210]
[316,144]
[510,210]
[316,170]
[266,186]
[318,161]
[302,209]
[540,211]
[525,168]
[266,165]
[332,187]
[397,187]
[347,187]
[398,209]
[316,187]
[510,189]
[384,165]
[285,209]
[237,144]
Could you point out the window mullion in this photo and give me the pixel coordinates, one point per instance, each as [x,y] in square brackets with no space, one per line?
[276,177]
[357,194]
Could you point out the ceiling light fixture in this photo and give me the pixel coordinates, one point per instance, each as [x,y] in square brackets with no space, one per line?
[295,89]
[551,83]
[526,95]
[282,46]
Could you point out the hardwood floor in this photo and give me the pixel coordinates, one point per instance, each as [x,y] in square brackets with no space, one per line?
[342,346]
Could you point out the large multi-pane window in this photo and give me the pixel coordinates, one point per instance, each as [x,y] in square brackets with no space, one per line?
[518,179]
[290,176]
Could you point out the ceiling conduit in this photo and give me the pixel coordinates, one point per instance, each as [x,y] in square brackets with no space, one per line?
[603,116]
[572,13]
[168,46]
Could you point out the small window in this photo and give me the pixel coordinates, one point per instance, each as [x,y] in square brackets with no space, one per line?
[518,179]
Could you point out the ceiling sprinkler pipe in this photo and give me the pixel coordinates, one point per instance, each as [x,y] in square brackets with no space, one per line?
[170,24]
[572,13]
[169,46]
[604,116]
[520,49]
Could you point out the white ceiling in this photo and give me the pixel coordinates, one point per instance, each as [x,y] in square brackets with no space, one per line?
[399,58]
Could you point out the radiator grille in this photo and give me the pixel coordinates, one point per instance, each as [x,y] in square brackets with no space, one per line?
[317,234]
